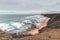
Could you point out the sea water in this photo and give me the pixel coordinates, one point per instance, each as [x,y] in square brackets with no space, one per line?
[12,18]
[19,24]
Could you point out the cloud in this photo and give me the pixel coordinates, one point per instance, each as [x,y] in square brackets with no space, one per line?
[29,6]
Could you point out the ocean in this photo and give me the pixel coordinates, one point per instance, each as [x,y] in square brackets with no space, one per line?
[12,18]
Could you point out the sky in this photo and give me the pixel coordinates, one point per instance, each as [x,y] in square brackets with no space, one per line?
[29,6]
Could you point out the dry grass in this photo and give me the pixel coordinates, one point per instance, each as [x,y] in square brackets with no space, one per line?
[51,34]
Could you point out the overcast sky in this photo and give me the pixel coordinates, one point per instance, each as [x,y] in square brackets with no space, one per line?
[29,6]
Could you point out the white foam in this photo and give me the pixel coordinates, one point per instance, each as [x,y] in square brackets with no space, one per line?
[16,24]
